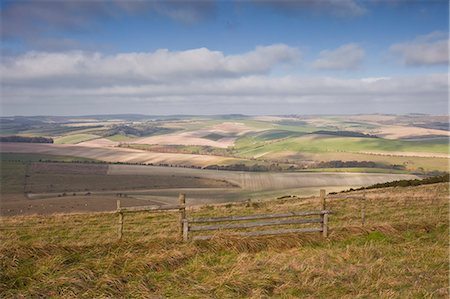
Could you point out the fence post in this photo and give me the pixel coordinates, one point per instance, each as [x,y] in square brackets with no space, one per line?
[185,225]
[325,225]
[182,209]
[324,217]
[363,209]
[120,229]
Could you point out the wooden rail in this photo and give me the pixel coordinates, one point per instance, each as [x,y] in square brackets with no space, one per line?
[323,220]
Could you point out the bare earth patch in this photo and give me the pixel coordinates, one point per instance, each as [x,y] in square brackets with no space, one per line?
[187,138]
[112,154]
[101,142]
[233,127]
[197,137]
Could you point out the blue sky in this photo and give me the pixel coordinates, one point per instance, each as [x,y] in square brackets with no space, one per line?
[254,57]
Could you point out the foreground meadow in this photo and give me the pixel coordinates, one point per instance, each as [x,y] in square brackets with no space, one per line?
[401,251]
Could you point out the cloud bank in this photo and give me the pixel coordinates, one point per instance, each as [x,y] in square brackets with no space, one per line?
[130,68]
[202,81]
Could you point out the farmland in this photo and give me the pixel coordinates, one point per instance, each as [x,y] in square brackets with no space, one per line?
[216,158]
[32,185]
[415,143]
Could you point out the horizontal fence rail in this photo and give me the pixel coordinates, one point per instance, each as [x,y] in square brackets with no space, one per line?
[323,220]
[257,216]
[150,208]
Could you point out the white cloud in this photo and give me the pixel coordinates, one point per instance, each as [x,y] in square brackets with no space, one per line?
[346,57]
[201,81]
[430,49]
[143,67]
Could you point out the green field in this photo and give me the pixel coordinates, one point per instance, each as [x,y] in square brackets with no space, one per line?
[75,138]
[410,163]
[119,137]
[253,146]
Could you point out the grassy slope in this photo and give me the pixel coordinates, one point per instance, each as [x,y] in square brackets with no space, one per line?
[250,146]
[401,252]
[75,138]
[411,163]
[119,137]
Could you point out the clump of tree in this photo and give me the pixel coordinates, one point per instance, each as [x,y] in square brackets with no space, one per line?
[356,164]
[139,131]
[345,134]
[407,183]
[26,139]
[243,167]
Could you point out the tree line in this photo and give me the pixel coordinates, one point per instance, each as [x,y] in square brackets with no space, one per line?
[26,139]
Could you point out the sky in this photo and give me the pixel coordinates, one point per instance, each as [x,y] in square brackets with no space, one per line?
[218,57]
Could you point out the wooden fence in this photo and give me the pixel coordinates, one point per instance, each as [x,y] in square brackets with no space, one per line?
[187,226]
[268,221]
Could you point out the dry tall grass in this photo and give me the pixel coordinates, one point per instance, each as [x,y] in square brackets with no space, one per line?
[402,251]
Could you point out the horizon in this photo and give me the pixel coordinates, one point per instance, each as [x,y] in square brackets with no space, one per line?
[227,114]
[215,57]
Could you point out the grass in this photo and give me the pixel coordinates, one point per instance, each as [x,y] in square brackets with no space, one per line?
[120,137]
[401,252]
[249,146]
[410,163]
[277,134]
[75,138]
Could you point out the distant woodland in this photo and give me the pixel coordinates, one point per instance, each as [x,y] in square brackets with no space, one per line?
[26,139]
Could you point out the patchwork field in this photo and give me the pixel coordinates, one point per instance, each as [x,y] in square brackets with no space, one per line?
[216,158]
[285,142]
[108,154]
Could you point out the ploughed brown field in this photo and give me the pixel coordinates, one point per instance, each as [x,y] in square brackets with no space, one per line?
[111,154]
[53,187]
